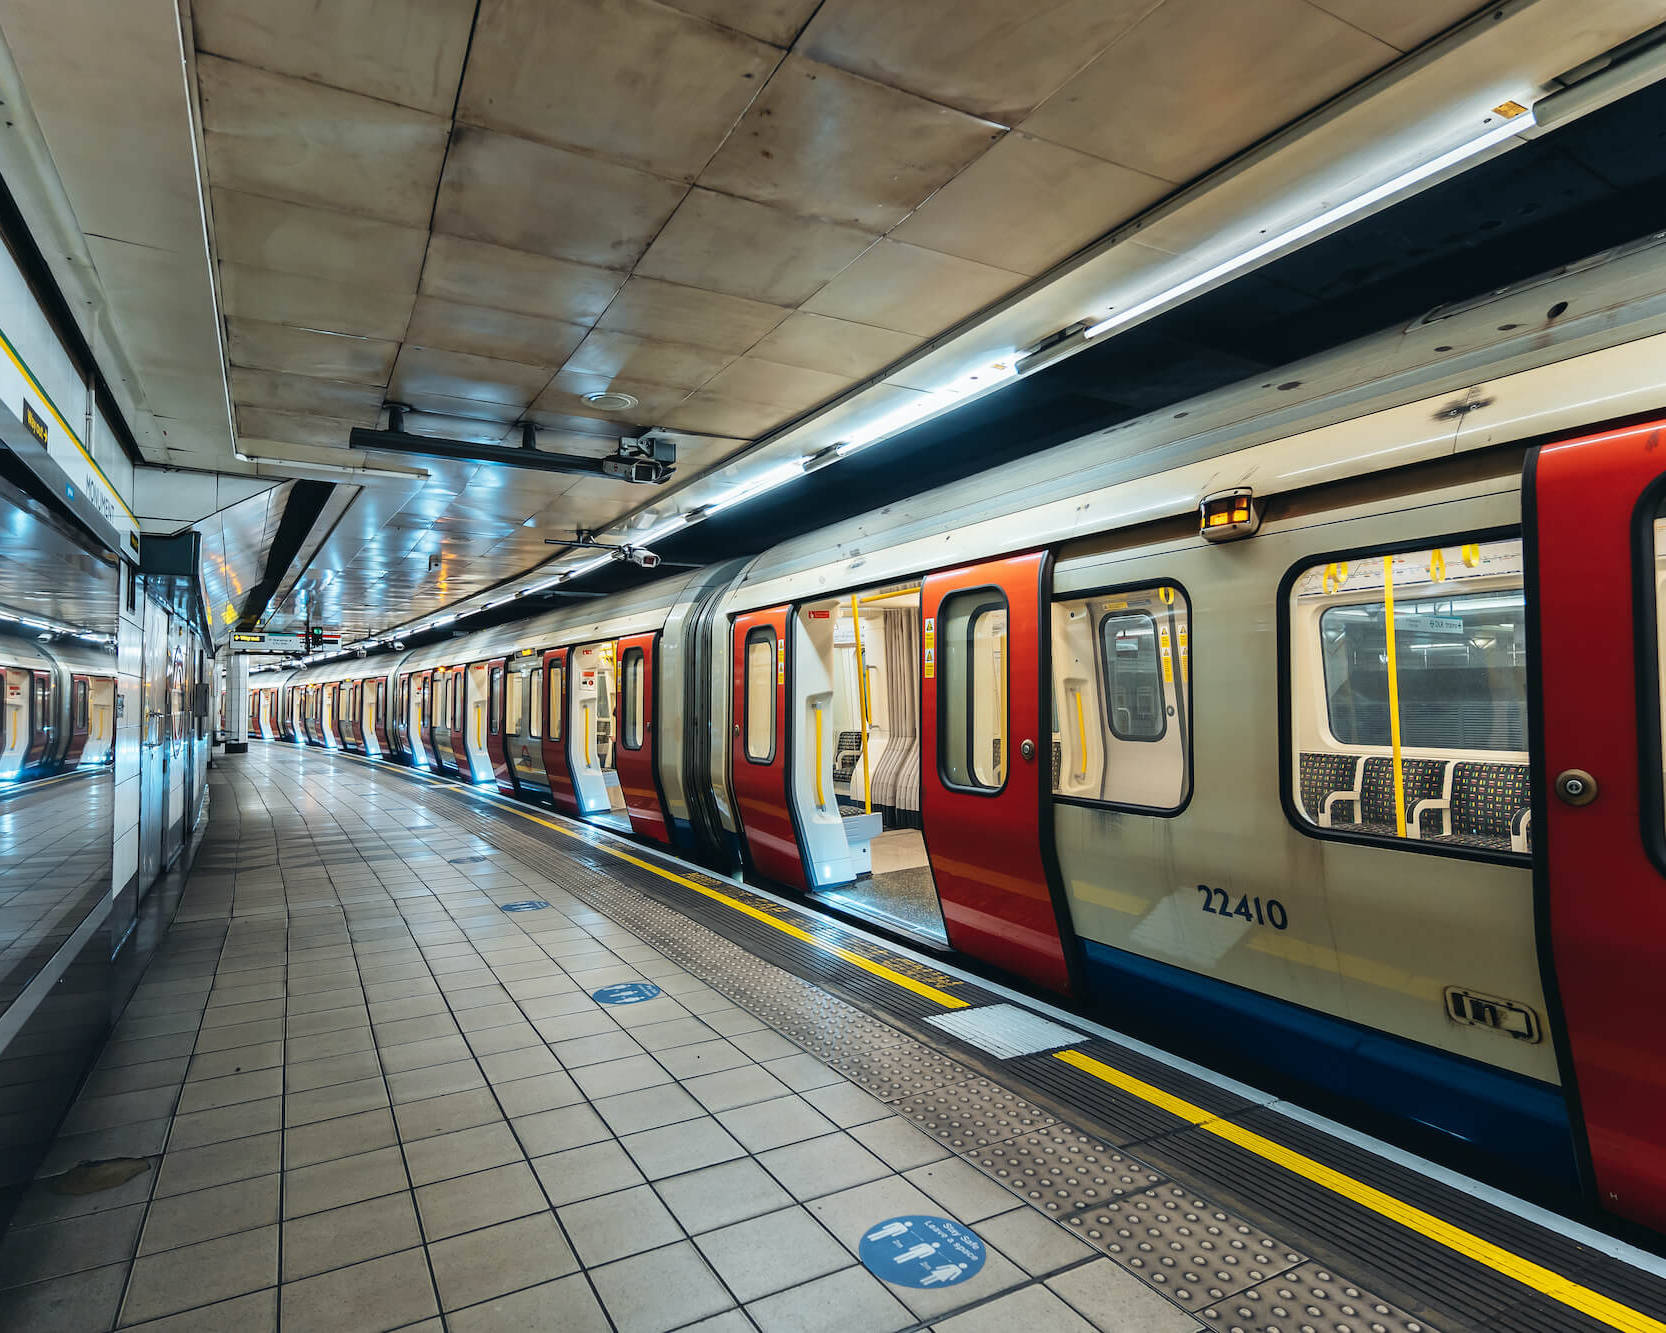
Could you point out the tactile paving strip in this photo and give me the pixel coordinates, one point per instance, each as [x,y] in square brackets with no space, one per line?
[1309,1300]
[1060,1170]
[1192,1251]
[1233,1276]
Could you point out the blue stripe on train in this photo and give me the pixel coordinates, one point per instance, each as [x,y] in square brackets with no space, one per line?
[1517,1127]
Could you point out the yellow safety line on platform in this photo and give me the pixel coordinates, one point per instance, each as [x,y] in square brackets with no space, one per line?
[1591,1303]
[757,914]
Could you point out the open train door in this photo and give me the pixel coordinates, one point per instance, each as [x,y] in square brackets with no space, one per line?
[556,767]
[985,738]
[759,743]
[636,759]
[1596,520]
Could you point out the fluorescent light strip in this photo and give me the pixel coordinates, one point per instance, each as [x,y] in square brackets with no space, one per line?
[1330,216]
[778,475]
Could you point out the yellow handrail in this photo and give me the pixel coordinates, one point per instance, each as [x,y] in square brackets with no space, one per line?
[816,709]
[862,694]
[886,596]
[589,761]
[1394,697]
[1081,733]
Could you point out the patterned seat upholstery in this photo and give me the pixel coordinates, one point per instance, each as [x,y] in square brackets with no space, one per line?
[1489,807]
[1319,776]
[1423,779]
[847,752]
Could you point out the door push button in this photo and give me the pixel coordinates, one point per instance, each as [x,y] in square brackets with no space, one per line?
[1027,749]
[1576,786]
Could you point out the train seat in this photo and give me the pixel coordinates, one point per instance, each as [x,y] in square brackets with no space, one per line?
[1326,780]
[1425,782]
[1488,806]
[847,752]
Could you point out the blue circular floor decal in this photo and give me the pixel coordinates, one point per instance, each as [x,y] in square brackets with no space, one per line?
[626,992]
[537,904]
[922,1252]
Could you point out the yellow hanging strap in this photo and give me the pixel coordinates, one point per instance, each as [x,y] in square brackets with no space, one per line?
[1471,554]
[1393,697]
[1437,566]
[862,694]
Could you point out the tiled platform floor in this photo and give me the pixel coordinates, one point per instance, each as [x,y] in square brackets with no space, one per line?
[366,1098]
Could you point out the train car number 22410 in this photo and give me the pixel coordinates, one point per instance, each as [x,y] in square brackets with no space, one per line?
[1218,902]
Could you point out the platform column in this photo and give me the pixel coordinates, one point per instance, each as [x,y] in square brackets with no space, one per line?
[237,704]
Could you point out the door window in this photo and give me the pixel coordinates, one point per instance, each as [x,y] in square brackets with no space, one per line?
[535,701]
[494,707]
[1121,725]
[1415,734]
[553,709]
[633,671]
[81,712]
[972,689]
[759,722]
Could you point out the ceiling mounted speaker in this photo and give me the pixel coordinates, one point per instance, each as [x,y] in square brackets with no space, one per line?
[609,401]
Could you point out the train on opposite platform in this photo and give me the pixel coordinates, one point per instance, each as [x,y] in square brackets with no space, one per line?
[59,700]
[1315,734]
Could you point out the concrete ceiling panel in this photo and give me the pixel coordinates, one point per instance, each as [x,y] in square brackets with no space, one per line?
[405,51]
[774,21]
[1198,80]
[564,397]
[293,238]
[1405,24]
[531,196]
[498,418]
[653,309]
[496,333]
[836,346]
[462,375]
[720,414]
[259,423]
[273,135]
[649,360]
[827,144]
[990,57]
[1027,204]
[626,79]
[475,273]
[356,403]
[768,382]
[732,245]
[911,290]
[313,303]
[333,356]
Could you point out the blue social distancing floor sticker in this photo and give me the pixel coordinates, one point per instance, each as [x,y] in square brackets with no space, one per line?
[535,905]
[922,1251]
[626,992]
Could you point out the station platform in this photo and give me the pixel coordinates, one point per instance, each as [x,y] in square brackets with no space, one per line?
[417,1056]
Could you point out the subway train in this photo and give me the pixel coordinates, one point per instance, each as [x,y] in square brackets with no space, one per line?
[59,696]
[1126,722]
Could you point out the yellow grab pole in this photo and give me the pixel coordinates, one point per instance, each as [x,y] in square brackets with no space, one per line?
[589,761]
[816,708]
[1081,732]
[862,694]
[1394,697]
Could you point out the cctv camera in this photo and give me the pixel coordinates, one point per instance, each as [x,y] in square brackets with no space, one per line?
[644,559]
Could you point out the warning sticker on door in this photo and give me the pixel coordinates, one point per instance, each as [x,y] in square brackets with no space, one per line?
[931,663]
[780,661]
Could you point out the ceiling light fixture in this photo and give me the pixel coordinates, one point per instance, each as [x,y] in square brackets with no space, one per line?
[768,480]
[608,400]
[1330,217]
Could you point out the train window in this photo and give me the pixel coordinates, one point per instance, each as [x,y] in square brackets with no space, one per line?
[759,722]
[1121,706]
[494,703]
[514,707]
[81,717]
[1420,733]
[535,700]
[552,706]
[972,690]
[634,683]
[1656,576]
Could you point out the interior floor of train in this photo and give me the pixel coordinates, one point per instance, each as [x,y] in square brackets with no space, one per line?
[416,1056]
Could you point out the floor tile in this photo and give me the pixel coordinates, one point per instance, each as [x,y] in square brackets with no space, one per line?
[228,1122]
[339,1099]
[499,1259]
[648,1108]
[849,1299]
[566,1305]
[583,1173]
[201,1274]
[760,1126]
[1033,1309]
[846,1105]
[442,1115]
[565,1127]
[349,1235]
[74,1304]
[822,1166]
[256,1312]
[185,1219]
[467,1203]
[344,1136]
[615,1076]
[770,1253]
[715,1196]
[618,1224]
[686,1146]
[1033,1241]
[706,1057]
[330,1184]
[380,1294]
[898,1143]
[435,1081]
[1116,1301]
[36,1254]
[218,1164]
[660,1290]
[462,1152]
[330,1071]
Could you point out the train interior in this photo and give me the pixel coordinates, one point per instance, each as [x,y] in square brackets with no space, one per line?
[859,675]
[1425,737]
[593,682]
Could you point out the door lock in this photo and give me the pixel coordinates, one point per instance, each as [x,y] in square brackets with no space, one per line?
[1027,749]
[1576,786]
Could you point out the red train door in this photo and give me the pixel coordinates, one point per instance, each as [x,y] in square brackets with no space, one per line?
[459,722]
[80,719]
[380,715]
[636,757]
[1597,516]
[555,732]
[982,772]
[42,721]
[496,689]
[759,745]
